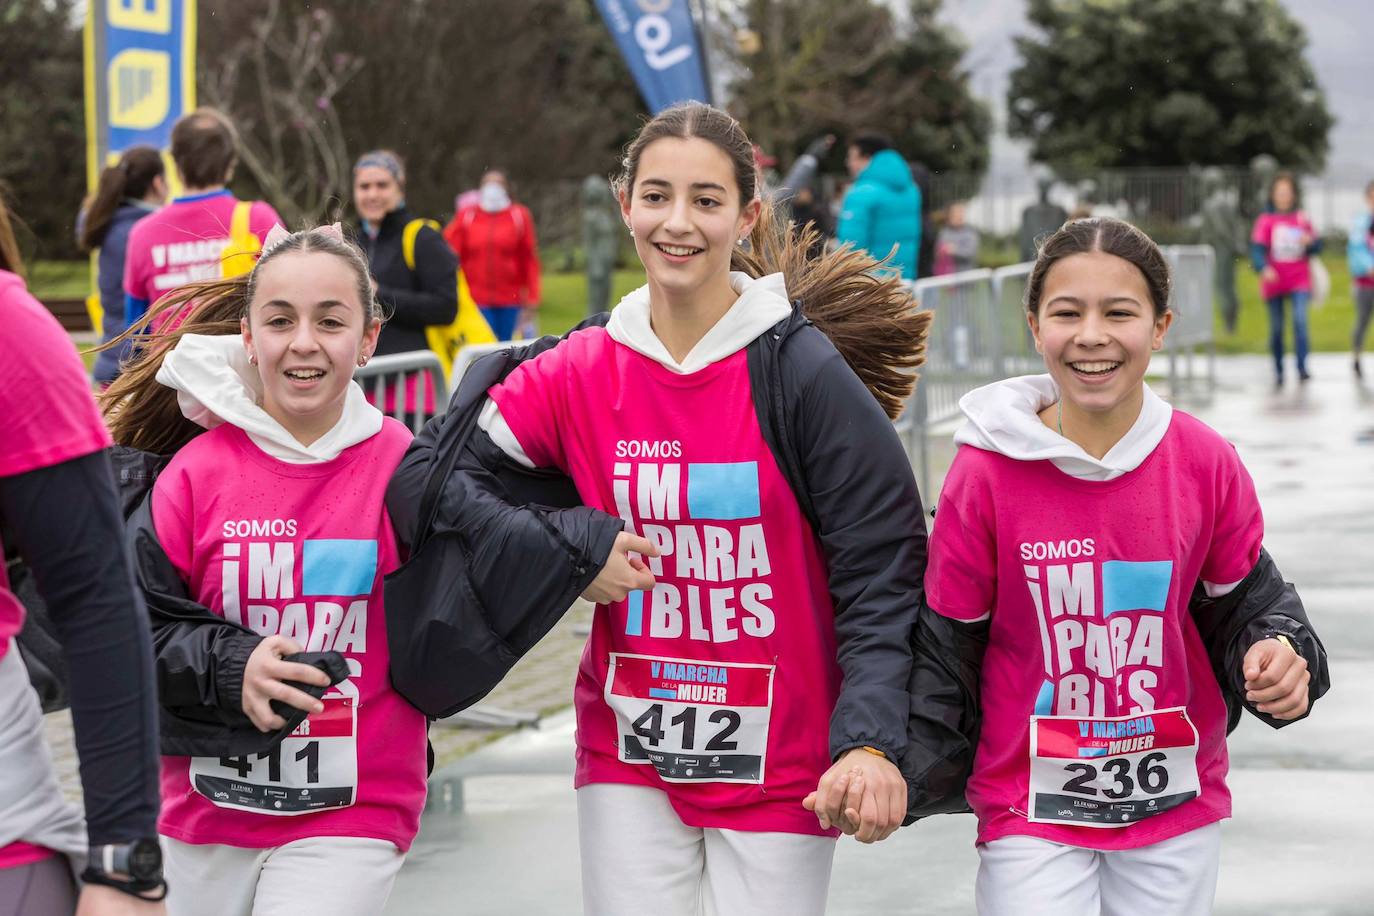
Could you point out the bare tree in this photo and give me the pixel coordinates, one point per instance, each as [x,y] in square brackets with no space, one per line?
[279,82]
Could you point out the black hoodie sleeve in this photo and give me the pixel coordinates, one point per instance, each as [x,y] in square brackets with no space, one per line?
[872,531]
[66,524]
[434,300]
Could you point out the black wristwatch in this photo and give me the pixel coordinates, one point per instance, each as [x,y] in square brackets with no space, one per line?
[134,867]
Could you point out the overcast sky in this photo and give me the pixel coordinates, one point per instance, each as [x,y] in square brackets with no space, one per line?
[1341,49]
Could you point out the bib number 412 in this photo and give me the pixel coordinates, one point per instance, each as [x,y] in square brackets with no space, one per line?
[649,726]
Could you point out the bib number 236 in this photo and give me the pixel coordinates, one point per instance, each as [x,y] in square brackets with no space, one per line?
[692,721]
[1111,772]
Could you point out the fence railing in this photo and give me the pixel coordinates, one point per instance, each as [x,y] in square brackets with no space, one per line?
[980,335]
[405,386]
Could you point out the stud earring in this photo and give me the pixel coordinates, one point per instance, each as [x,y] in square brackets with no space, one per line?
[362,361]
[632,231]
[252,359]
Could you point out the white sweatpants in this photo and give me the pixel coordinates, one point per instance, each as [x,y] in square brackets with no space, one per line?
[329,876]
[638,857]
[1027,876]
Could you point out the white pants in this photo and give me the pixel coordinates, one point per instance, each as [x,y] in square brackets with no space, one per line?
[329,876]
[638,857]
[1026,876]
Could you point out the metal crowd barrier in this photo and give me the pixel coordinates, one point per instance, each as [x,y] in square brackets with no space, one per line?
[980,335]
[389,378]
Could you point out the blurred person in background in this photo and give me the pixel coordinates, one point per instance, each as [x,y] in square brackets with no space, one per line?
[414,292]
[882,209]
[600,240]
[496,246]
[1280,244]
[956,246]
[129,190]
[1360,254]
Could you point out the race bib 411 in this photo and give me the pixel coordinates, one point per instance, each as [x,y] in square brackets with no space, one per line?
[1111,772]
[692,721]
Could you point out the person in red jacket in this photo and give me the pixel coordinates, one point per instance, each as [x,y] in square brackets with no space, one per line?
[495,245]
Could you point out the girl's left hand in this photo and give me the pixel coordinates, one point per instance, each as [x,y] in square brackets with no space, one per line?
[862,794]
[1276,679]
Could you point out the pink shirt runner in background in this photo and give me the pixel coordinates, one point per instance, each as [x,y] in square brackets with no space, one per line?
[296,549]
[1088,584]
[1282,235]
[716,687]
[183,242]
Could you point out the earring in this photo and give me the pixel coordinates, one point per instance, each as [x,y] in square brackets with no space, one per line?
[362,361]
[252,359]
[632,231]
[741,242]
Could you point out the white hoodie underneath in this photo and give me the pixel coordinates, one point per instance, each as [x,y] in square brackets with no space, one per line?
[762,303]
[1004,417]
[216,384]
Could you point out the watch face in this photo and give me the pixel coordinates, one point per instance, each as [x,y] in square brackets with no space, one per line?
[145,860]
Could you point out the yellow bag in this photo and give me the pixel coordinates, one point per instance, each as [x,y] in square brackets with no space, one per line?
[468,327]
[239,256]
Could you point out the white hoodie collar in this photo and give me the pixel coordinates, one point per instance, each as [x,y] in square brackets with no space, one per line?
[762,303]
[1004,417]
[216,384]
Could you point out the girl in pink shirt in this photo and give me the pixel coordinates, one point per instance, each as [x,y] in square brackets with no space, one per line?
[743,692]
[1282,242]
[1078,517]
[304,791]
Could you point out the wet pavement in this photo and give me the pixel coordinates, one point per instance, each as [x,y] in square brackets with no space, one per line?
[500,835]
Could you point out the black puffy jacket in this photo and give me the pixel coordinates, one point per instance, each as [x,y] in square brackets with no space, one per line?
[413,299]
[199,657]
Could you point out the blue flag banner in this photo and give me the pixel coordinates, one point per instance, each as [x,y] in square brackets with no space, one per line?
[140,75]
[659,41]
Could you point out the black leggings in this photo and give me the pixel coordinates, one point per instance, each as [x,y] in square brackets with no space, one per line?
[43,888]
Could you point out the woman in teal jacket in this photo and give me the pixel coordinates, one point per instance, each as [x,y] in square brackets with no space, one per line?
[882,208]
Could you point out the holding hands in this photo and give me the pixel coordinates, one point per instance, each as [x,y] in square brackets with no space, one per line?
[863,794]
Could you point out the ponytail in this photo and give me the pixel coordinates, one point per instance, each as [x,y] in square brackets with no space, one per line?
[868,314]
[140,411]
[130,177]
[9,245]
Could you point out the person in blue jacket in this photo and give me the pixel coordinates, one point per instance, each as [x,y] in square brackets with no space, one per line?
[129,190]
[1360,255]
[882,209]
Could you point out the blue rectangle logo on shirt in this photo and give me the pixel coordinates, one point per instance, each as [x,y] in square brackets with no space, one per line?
[338,567]
[727,490]
[1128,586]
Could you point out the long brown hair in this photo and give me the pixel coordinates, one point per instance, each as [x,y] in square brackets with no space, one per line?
[143,413]
[867,313]
[130,177]
[1110,236]
[9,245]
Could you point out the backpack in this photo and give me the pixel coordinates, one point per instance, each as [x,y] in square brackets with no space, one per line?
[468,327]
[239,256]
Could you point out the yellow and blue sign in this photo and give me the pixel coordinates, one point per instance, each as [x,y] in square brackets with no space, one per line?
[140,75]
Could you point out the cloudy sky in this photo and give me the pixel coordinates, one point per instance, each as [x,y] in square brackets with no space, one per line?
[1340,48]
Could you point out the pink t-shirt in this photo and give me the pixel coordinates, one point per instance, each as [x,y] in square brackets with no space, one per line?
[1104,726]
[296,549]
[46,408]
[717,686]
[1282,235]
[183,242]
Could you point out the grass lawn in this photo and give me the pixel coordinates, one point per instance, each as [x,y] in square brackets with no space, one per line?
[565,302]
